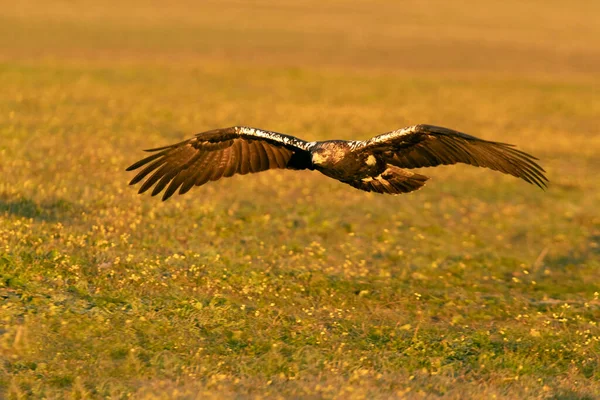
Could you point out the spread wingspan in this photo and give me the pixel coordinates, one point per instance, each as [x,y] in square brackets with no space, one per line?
[371,165]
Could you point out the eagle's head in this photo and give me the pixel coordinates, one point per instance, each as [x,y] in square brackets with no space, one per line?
[329,153]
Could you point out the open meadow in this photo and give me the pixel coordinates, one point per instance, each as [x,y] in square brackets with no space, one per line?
[290,284]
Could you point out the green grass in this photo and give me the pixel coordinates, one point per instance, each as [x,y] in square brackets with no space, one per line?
[288,283]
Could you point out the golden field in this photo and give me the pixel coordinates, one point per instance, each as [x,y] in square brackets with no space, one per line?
[288,284]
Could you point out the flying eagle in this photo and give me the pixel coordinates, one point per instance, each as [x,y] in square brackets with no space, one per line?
[376,165]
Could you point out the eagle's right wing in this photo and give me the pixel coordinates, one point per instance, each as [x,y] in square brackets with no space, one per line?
[219,153]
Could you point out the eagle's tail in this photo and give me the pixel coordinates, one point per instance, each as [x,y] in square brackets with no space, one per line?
[393,180]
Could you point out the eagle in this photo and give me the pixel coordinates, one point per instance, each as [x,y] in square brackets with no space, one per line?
[381,164]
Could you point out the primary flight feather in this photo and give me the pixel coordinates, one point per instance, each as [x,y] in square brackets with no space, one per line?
[379,164]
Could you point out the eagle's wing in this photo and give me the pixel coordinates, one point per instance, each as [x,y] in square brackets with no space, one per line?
[428,146]
[219,153]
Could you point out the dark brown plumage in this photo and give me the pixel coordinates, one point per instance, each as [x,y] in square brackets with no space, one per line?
[371,165]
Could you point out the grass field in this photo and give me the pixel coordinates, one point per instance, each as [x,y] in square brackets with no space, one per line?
[289,284]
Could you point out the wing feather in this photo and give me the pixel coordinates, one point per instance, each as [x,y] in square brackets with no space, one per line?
[232,161]
[278,157]
[206,171]
[254,157]
[271,159]
[263,157]
[194,171]
[215,154]
[158,173]
[183,176]
[429,146]
[244,151]
[223,163]
[149,168]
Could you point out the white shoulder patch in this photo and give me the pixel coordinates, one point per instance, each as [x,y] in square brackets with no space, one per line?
[371,160]
[373,178]
[274,136]
[390,136]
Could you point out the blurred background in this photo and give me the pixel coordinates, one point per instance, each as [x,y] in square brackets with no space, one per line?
[533,38]
[290,283]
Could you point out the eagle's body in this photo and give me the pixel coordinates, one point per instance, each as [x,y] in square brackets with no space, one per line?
[336,159]
[379,164]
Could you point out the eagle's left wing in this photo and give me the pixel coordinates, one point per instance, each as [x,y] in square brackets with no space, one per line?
[428,146]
